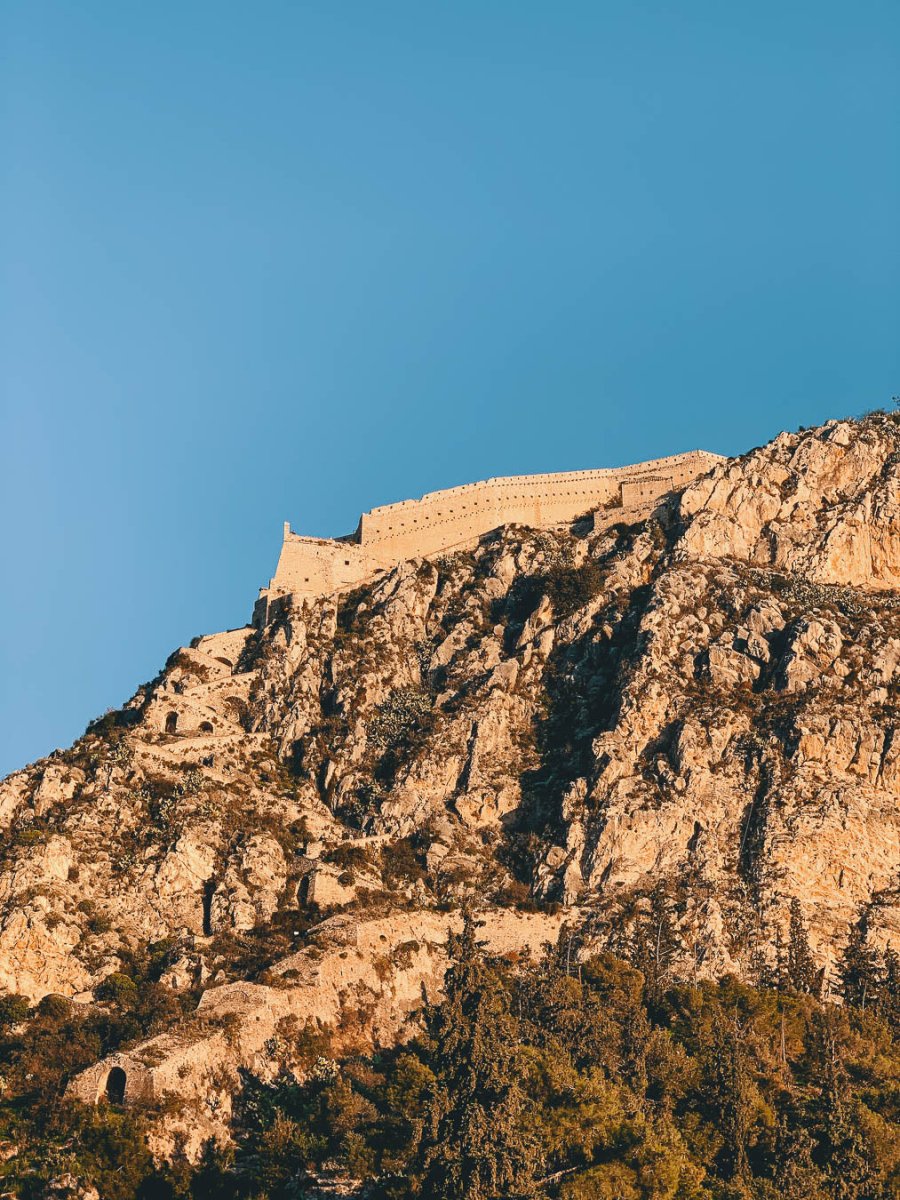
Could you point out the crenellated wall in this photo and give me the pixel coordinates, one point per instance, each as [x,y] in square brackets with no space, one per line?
[456,517]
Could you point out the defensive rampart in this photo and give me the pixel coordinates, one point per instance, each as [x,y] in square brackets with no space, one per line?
[456,517]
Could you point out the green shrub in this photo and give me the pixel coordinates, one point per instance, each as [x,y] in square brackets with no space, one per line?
[404,713]
[401,862]
[117,989]
[13,1010]
[351,858]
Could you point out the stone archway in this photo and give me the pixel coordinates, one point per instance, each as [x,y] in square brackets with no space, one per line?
[171,722]
[116,1081]
[206,726]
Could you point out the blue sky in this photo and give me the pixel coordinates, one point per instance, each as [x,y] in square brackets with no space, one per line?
[289,261]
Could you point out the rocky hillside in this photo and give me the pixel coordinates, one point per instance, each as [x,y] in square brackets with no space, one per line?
[700,699]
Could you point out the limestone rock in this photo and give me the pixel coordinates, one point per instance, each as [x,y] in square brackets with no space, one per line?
[698,693]
[823,504]
[249,889]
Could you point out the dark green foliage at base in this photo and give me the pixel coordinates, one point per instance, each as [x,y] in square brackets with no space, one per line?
[585,1084]
[105,1147]
[575,1082]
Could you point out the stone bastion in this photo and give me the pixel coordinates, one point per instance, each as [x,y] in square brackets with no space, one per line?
[457,517]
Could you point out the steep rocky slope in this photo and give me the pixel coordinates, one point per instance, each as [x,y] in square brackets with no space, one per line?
[703,696]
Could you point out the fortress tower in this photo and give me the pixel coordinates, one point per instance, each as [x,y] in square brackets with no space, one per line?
[457,517]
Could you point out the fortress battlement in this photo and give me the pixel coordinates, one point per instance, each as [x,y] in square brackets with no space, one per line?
[457,517]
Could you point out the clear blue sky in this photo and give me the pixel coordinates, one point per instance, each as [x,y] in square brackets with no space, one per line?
[267,261]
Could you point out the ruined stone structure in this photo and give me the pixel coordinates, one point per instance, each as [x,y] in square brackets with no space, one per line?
[387,967]
[452,519]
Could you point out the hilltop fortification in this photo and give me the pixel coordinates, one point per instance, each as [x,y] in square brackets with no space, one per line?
[457,517]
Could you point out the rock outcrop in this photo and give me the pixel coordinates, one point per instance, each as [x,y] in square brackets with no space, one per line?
[700,696]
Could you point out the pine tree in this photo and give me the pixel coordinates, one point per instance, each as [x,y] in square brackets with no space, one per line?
[476,1146]
[843,1153]
[858,968]
[801,969]
[796,1176]
[889,994]
[732,1097]
[779,970]
[656,943]
[760,965]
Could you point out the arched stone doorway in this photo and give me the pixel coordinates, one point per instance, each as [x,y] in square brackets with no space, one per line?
[115,1085]
[206,726]
[171,722]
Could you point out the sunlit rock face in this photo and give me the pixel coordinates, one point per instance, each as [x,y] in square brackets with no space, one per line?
[700,693]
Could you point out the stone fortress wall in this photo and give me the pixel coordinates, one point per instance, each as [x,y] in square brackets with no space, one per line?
[458,516]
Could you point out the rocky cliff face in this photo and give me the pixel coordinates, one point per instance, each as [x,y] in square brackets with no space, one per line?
[704,695]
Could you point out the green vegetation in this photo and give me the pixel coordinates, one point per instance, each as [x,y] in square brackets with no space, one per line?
[107,1147]
[585,1083]
[567,587]
[399,727]
[184,662]
[44,1136]
[594,1081]
[404,715]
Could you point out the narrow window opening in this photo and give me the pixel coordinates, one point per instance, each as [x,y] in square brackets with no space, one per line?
[209,889]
